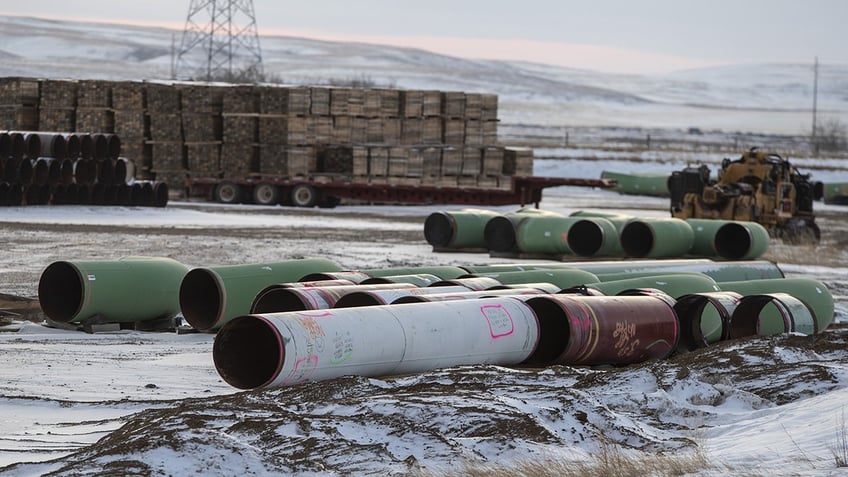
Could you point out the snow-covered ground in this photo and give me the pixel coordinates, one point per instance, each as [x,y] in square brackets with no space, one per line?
[131,402]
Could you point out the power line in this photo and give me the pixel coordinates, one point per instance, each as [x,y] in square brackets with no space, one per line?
[220,42]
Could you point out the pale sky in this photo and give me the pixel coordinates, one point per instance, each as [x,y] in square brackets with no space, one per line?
[628,36]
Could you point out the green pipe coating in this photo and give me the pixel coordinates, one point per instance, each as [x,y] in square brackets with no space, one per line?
[653,184]
[131,289]
[732,240]
[812,292]
[458,229]
[210,297]
[674,285]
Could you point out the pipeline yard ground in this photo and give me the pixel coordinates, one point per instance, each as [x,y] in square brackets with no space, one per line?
[146,403]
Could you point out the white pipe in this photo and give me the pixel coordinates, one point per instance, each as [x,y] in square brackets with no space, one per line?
[280,349]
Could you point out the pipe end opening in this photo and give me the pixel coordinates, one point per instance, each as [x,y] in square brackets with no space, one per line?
[248,353]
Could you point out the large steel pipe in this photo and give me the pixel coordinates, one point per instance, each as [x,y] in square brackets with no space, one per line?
[37,194]
[561,278]
[718,271]
[731,240]
[705,318]
[209,297]
[652,184]
[17,145]
[443,272]
[86,145]
[259,351]
[592,330]
[351,275]
[376,297]
[594,237]
[654,238]
[282,298]
[501,233]
[812,292]
[457,229]
[674,285]
[13,192]
[106,146]
[418,279]
[126,290]
[545,234]
[771,314]
[466,295]
[471,283]
[18,170]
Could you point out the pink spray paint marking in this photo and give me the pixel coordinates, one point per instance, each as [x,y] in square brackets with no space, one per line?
[499,319]
[298,375]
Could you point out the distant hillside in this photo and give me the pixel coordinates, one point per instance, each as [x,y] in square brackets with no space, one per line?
[774,98]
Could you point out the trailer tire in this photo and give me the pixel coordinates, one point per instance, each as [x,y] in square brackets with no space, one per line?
[266,194]
[228,193]
[304,195]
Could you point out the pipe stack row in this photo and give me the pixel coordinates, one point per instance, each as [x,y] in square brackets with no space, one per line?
[41,168]
[591,234]
[304,320]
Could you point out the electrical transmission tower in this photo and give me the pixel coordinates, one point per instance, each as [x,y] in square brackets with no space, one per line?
[220,43]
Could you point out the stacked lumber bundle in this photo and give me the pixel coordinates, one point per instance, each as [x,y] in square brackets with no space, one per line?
[183,130]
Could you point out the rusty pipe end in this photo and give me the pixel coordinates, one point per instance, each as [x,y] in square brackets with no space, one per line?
[277,299]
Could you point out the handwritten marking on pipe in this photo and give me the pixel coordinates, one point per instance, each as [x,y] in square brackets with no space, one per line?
[303,369]
[342,348]
[624,331]
[500,321]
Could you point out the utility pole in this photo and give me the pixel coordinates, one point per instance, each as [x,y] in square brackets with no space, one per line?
[220,42]
[815,101]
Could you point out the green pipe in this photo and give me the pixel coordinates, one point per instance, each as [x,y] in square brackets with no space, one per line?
[835,193]
[655,238]
[210,297]
[501,233]
[653,184]
[674,285]
[718,271]
[131,289]
[595,237]
[443,272]
[545,234]
[458,229]
[562,278]
[704,318]
[728,239]
[812,292]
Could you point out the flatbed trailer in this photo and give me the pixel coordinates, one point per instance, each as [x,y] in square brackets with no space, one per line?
[328,191]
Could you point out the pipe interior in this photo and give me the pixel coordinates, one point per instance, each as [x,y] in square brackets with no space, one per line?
[376,281]
[585,238]
[5,145]
[438,230]
[72,145]
[733,241]
[86,146]
[278,300]
[120,172]
[200,298]
[247,352]
[499,235]
[554,332]
[411,299]
[60,291]
[637,239]
[113,146]
[748,318]
[357,299]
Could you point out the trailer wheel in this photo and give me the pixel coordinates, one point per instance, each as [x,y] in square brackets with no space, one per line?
[304,195]
[266,194]
[227,193]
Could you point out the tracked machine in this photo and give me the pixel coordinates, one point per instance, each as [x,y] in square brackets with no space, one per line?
[760,187]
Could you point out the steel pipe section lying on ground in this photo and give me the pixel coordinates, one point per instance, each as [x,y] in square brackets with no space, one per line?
[653,184]
[209,297]
[131,289]
[272,350]
[731,240]
[457,229]
[812,292]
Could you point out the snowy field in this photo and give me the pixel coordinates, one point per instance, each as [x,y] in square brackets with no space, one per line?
[142,403]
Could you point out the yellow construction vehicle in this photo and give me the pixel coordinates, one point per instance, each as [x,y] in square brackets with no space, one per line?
[758,187]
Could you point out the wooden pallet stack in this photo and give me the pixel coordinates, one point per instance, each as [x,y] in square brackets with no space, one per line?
[57,105]
[128,110]
[19,98]
[201,108]
[179,130]
[240,124]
